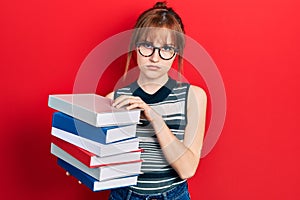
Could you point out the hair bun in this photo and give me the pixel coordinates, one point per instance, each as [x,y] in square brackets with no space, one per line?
[160,5]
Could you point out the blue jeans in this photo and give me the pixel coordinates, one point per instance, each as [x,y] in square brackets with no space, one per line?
[179,192]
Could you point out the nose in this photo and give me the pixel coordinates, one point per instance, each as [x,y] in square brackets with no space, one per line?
[155,56]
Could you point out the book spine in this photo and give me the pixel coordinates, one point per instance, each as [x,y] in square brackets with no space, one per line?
[79,175]
[80,154]
[94,147]
[92,160]
[92,183]
[100,173]
[78,127]
[72,109]
[76,140]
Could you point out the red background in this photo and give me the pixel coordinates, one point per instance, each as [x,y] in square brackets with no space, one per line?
[255,45]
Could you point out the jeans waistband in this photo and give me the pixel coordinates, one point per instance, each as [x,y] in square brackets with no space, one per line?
[173,193]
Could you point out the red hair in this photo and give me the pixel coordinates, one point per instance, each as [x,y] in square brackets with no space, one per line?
[159,16]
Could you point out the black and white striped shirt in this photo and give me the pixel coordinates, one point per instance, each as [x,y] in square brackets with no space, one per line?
[170,102]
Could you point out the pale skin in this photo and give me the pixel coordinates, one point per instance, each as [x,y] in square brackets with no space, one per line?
[183,156]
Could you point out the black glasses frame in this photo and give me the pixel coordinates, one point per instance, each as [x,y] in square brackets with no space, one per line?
[138,45]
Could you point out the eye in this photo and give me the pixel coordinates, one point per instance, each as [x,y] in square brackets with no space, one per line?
[147,45]
[168,48]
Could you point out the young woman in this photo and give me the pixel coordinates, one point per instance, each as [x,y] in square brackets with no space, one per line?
[173,113]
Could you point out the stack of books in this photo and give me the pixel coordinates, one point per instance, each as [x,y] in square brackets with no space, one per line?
[95,142]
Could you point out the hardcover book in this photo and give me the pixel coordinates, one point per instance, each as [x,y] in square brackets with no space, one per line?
[96,147]
[94,184]
[91,160]
[93,109]
[100,173]
[102,135]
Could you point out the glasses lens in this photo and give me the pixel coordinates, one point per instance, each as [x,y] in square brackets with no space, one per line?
[145,49]
[167,53]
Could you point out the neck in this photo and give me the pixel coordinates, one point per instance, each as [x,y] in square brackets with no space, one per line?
[152,85]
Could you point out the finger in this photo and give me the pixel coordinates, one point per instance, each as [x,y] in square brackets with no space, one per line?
[128,101]
[135,105]
[135,102]
[122,101]
[119,99]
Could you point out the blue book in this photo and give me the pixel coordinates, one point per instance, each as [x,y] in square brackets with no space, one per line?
[102,135]
[94,184]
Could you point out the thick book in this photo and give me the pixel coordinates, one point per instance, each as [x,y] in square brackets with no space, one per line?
[93,109]
[91,160]
[96,147]
[94,184]
[100,173]
[102,135]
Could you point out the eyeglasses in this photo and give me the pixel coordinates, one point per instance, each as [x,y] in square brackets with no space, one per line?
[166,52]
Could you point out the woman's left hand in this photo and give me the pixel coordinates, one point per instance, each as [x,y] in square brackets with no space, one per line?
[131,102]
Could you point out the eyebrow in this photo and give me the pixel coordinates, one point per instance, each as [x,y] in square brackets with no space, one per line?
[170,45]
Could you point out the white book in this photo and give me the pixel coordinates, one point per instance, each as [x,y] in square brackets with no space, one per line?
[91,160]
[100,173]
[95,147]
[93,109]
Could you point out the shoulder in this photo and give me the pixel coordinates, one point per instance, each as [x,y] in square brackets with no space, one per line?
[196,94]
[197,90]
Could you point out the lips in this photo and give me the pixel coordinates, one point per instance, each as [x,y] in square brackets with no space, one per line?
[153,67]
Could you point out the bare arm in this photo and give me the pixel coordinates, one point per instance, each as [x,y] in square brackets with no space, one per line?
[182,156]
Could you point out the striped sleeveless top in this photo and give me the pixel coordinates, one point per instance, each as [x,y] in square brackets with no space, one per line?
[170,102]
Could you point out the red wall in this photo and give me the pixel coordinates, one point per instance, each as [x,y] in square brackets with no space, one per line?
[255,45]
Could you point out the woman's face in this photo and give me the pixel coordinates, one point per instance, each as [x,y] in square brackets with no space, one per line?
[155,66]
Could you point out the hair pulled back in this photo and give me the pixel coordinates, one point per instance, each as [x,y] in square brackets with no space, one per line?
[159,16]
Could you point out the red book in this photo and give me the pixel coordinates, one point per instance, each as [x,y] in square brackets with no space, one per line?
[91,160]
